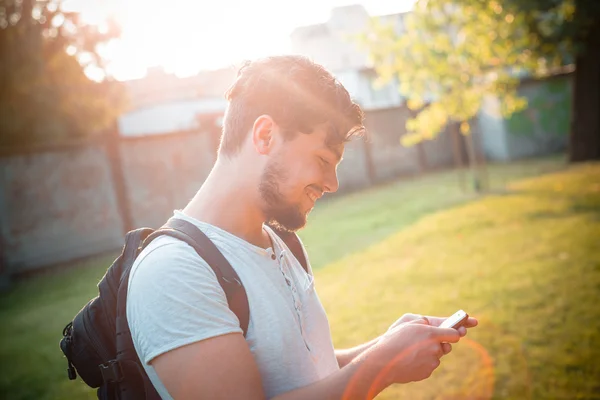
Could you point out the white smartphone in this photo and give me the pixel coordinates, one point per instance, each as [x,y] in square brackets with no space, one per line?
[455,320]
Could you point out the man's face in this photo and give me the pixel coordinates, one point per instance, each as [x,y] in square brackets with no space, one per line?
[299,172]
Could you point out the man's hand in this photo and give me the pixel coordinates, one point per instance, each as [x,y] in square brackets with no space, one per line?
[436,321]
[412,350]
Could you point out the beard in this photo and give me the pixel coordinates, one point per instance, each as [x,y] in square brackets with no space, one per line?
[278,211]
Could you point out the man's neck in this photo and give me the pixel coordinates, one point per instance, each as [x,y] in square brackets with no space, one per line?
[228,201]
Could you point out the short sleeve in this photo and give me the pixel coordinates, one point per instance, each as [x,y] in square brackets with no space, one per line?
[174,299]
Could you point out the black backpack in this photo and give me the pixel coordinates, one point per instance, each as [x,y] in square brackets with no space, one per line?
[97,342]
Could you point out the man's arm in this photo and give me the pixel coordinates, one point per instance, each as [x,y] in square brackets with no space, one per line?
[223,367]
[346,355]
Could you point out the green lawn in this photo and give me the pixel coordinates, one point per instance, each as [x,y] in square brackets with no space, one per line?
[348,224]
[525,261]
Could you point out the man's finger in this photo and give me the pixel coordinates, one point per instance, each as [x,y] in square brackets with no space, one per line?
[446,348]
[448,335]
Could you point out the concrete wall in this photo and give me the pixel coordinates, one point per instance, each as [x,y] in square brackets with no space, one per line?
[492,131]
[438,152]
[56,206]
[542,128]
[61,204]
[390,158]
[352,171]
[163,173]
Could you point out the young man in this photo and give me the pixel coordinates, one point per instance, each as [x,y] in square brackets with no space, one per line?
[283,137]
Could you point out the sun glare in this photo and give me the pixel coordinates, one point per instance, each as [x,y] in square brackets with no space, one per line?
[185,36]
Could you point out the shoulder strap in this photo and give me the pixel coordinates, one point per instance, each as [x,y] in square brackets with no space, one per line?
[228,279]
[206,249]
[292,241]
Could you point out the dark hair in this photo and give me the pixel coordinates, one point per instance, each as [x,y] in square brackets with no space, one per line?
[296,92]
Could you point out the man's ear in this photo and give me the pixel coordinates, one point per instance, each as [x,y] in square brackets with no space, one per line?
[262,134]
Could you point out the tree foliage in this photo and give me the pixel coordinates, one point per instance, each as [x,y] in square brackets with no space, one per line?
[46,96]
[450,56]
[557,25]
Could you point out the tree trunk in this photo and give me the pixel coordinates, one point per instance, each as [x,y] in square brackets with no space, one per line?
[473,163]
[113,148]
[457,152]
[370,166]
[584,140]
[482,160]
[422,157]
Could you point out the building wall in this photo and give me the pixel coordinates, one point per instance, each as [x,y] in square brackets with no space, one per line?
[390,158]
[352,171]
[56,206]
[438,152]
[542,128]
[163,173]
[491,128]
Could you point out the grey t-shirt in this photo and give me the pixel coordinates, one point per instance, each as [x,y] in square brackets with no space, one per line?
[174,299]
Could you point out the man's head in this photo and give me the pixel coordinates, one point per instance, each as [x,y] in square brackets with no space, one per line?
[287,121]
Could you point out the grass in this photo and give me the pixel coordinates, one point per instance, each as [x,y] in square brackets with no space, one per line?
[345,225]
[525,262]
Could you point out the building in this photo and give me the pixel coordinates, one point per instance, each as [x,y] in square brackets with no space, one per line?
[332,44]
[163,103]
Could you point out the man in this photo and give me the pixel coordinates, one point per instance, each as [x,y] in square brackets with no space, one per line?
[283,137]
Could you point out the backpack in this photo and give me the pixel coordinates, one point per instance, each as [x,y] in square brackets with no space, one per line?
[97,342]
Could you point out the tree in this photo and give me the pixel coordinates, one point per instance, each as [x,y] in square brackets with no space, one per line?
[572,26]
[46,96]
[451,56]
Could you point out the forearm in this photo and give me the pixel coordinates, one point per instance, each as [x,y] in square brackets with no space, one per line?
[359,379]
[346,355]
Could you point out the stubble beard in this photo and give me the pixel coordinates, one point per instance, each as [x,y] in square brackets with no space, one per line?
[278,211]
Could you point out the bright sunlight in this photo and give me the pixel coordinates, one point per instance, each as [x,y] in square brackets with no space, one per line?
[185,36]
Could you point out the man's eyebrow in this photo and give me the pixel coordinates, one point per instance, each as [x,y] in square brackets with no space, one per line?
[332,140]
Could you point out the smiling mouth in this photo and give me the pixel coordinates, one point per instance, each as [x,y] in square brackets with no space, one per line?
[313,196]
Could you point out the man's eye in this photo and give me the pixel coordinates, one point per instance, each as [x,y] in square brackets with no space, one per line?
[323,161]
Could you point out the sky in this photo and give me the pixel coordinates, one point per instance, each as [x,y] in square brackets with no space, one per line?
[186,36]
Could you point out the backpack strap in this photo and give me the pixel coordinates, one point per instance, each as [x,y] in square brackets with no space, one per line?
[128,363]
[124,376]
[206,249]
[226,275]
[237,299]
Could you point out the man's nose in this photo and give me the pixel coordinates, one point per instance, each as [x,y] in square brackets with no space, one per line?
[332,184]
